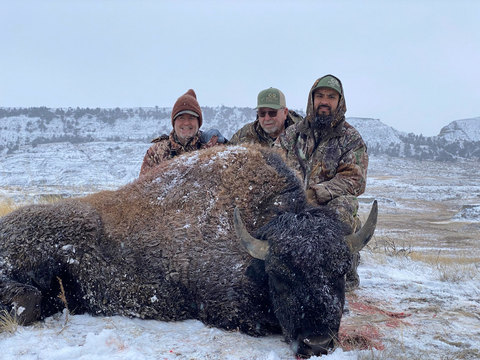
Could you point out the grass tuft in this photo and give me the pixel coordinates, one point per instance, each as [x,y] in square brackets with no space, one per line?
[453,269]
[50,198]
[62,296]
[389,247]
[456,273]
[8,322]
[7,206]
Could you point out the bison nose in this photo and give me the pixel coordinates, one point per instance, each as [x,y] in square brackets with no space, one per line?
[315,345]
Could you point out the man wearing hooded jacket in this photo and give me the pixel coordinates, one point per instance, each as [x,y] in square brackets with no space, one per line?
[330,155]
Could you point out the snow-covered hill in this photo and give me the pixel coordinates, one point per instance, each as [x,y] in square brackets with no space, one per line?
[36,126]
[466,129]
[376,133]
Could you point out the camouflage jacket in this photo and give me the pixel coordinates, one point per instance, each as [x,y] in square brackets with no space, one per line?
[254,134]
[338,164]
[166,147]
[334,162]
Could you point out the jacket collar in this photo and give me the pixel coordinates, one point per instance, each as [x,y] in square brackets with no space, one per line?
[176,145]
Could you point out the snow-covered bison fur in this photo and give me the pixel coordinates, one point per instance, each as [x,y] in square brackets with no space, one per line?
[165,247]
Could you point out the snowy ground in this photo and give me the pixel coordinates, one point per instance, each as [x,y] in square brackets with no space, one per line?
[419,296]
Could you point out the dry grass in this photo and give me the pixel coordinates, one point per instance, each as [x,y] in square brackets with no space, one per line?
[398,353]
[62,296]
[439,258]
[50,198]
[386,246]
[457,273]
[8,322]
[7,206]
[451,268]
[392,248]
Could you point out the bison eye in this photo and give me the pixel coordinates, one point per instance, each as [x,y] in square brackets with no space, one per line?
[280,286]
[280,283]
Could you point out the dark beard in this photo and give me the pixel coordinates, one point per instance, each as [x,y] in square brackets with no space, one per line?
[323,122]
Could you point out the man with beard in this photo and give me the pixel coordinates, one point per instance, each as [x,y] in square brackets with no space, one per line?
[273,117]
[185,136]
[330,155]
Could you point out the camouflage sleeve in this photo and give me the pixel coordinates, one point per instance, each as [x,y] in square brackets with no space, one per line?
[286,141]
[235,140]
[148,162]
[243,135]
[351,174]
[294,117]
[154,156]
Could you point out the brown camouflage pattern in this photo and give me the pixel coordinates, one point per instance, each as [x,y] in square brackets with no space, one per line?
[166,147]
[336,168]
[253,133]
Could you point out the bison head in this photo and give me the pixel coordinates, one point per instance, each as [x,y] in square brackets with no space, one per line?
[306,256]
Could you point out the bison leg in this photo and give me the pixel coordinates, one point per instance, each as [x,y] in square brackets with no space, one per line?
[21,300]
[351,277]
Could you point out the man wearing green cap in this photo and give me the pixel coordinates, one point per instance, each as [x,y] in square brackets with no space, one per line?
[273,117]
[330,155]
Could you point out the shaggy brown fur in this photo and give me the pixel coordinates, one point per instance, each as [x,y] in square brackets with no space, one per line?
[164,246]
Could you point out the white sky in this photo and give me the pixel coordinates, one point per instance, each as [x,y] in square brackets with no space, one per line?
[412,64]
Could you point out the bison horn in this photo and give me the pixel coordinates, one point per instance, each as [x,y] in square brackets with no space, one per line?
[255,247]
[358,240]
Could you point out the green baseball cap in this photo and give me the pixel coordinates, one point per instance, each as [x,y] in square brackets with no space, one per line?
[331,82]
[271,98]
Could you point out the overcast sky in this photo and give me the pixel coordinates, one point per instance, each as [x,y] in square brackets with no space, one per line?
[415,65]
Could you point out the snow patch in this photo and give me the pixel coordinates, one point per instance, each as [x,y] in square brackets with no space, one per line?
[468,213]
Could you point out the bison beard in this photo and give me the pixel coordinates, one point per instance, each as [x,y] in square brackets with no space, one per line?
[138,251]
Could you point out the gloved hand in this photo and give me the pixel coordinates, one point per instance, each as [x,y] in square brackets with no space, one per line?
[319,195]
[311,198]
[207,135]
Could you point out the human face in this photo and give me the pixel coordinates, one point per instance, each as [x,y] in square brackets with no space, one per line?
[272,125]
[186,126]
[325,101]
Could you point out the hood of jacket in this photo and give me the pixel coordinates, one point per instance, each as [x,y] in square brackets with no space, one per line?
[338,114]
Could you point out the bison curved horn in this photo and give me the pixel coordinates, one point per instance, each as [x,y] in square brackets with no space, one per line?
[358,240]
[255,247]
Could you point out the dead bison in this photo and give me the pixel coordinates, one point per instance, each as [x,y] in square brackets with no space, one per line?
[167,247]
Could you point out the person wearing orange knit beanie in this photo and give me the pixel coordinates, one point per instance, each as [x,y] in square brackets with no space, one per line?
[185,136]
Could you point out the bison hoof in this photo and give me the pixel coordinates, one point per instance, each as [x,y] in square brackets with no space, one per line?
[22,301]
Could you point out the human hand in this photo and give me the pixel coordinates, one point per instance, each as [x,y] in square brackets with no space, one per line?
[311,196]
[208,134]
[319,195]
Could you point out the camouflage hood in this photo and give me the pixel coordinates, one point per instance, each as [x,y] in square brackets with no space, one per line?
[338,115]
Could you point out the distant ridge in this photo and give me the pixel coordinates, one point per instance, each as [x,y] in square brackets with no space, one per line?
[458,140]
[465,129]
[20,127]
[374,132]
